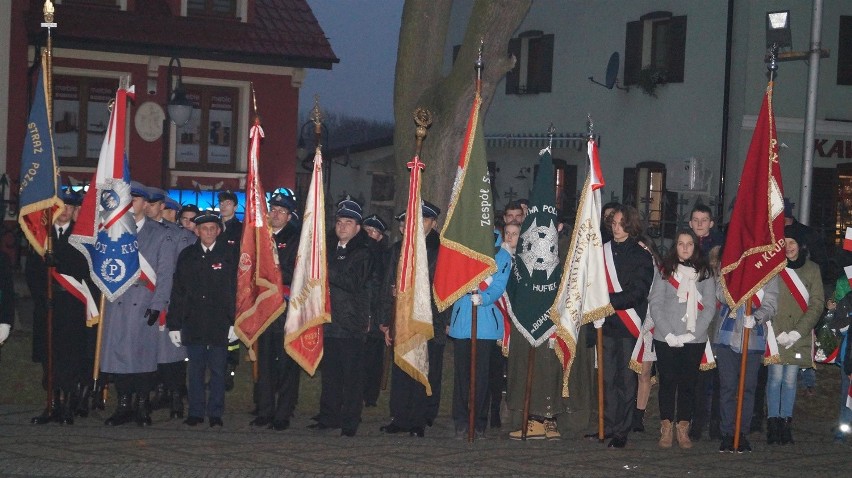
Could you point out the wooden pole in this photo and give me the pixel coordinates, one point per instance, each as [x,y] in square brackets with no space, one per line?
[386,365]
[96,370]
[255,370]
[49,22]
[528,392]
[600,386]
[471,399]
[741,388]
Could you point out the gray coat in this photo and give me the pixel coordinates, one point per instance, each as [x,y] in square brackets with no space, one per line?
[668,312]
[129,343]
[166,351]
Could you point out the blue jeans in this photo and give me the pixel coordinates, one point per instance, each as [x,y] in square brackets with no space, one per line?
[845,412]
[808,377]
[781,390]
[201,359]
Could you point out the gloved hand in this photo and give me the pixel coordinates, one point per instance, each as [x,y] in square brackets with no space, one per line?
[782,339]
[174,336]
[152,315]
[792,337]
[684,338]
[748,321]
[476,299]
[232,336]
[4,332]
[599,323]
[671,339]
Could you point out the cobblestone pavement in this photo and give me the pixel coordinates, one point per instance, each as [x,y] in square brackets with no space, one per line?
[170,448]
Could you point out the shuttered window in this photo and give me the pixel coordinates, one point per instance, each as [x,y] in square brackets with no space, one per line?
[213,8]
[657,41]
[533,72]
[844,51]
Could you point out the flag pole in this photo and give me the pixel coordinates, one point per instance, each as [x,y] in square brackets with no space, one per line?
[49,23]
[97,366]
[471,398]
[253,350]
[528,392]
[599,332]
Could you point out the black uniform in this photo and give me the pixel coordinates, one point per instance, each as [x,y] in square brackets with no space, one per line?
[374,349]
[341,400]
[233,233]
[278,374]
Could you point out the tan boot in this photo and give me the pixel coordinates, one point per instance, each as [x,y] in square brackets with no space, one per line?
[551,431]
[666,434]
[535,431]
[683,435]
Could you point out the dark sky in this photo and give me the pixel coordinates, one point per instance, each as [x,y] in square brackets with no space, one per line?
[364,35]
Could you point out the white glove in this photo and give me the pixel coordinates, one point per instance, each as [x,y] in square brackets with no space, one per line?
[792,337]
[782,338]
[232,336]
[174,336]
[4,332]
[599,323]
[748,321]
[685,338]
[671,339]
[476,299]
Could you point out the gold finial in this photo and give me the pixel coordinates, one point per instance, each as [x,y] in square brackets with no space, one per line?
[316,116]
[48,11]
[423,118]
[254,100]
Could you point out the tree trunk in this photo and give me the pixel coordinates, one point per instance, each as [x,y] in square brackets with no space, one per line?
[421,83]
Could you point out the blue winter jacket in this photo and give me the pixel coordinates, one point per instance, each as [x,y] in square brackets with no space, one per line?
[489,319]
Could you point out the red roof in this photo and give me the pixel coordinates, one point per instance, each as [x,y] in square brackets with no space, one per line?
[282,33]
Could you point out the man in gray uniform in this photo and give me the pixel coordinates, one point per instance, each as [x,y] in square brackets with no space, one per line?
[129,351]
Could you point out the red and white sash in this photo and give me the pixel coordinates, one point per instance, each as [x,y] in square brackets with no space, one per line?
[81,292]
[629,317]
[148,274]
[797,287]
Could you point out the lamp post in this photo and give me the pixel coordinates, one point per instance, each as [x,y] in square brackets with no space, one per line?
[179,110]
[320,138]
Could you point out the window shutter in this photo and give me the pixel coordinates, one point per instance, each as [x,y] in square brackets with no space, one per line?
[632,53]
[844,51]
[544,74]
[677,49]
[513,77]
[628,187]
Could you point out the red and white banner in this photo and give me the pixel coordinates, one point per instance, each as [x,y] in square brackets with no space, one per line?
[847,240]
[81,292]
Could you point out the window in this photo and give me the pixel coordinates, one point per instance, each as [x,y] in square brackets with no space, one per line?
[212,8]
[657,44]
[208,141]
[533,72]
[80,117]
[844,51]
[103,3]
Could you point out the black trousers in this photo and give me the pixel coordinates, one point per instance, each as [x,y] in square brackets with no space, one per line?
[461,382]
[436,375]
[407,400]
[341,399]
[620,384]
[374,358]
[173,376]
[278,377]
[496,383]
[129,383]
[677,371]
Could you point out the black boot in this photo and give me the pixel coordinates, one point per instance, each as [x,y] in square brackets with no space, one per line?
[638,425]
[161,397]
[773,430]
[99,396]
[83,393]
[53,413]
[176,405]
[787,431]
[69,405]
[143,410]
[123,412]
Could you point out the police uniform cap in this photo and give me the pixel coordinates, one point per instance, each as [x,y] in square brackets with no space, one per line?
[226,195]
[350,208]
[72,198]
[375,221]
[138,189]
[282,200]
[430,210]
[172,204]
[155,194]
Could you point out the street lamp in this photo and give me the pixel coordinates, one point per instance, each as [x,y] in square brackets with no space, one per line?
[778,29]
[320,138]
[179,107]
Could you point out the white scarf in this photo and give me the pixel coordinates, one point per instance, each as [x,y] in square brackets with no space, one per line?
[687,292]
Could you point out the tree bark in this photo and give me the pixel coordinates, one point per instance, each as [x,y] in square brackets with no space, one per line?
[421,83]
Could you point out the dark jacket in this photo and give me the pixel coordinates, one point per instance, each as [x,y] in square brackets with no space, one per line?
[711,240]
[233,233]
[203,301]
[380,258]
[7,291]
[287,245]
[348,280]
[635,269]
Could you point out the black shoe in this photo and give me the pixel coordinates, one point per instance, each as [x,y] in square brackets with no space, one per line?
[260,422]
[773,430]
[429,422]
[98,401]
[787,431]
[53,413]
[176,408]
[320,426]
[68,409]
[160,398]
[638,425]
[727,445]
[280,425]
[123,413]
[82,407]
[192,421]
[617,442]
[594,436]
[143,412]
[417,431]
[216,422]
[393,428]
[347,432]
[744,445]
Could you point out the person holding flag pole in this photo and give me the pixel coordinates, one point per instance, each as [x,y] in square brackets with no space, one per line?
[752,258]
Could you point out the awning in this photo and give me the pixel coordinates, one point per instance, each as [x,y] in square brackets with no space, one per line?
[538,140]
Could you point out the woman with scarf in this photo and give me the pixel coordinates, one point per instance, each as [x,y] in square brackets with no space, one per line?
[682,303]
[800,304]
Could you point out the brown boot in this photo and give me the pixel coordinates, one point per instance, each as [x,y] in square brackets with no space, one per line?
[683,435]
[666,434]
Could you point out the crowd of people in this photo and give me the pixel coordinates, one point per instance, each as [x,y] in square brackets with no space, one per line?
[169,340]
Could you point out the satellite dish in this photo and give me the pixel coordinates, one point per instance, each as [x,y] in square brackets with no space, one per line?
[611,73]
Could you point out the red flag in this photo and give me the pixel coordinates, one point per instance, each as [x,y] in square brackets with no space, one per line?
[309,302]
[754,247]
[260,293]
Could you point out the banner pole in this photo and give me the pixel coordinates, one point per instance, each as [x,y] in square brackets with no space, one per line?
[96,370]
[471,399]
[528,392]
[600,386]
[741,386]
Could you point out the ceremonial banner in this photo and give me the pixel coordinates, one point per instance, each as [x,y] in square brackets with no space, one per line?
[260,293]
[847,239]
[536,274]
[754,247]
[413,317]
[466,253]
[582,296]
[39,176]
[309,306]
[105,231]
